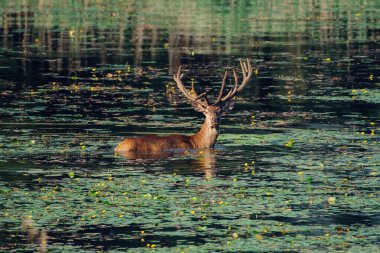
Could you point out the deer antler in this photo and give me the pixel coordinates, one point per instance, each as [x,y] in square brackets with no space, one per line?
[247,72]
[194,98]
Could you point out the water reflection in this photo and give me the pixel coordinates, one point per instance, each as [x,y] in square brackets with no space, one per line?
[201,162]
[76,77]
[151,32]
[206,163]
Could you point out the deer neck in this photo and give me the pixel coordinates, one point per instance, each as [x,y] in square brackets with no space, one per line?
[206,136]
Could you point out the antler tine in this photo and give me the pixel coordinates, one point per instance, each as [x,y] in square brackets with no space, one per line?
[177,78]
[233,90]
[204,94]
[222,88]
[247,72]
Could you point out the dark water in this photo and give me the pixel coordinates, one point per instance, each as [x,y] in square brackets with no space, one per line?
[294,169]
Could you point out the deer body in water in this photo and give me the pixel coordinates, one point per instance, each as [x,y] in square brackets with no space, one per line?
[207,135]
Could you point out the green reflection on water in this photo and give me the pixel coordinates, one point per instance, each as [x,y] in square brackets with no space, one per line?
[78,76]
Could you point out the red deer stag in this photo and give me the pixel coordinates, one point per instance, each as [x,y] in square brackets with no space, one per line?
[207,135]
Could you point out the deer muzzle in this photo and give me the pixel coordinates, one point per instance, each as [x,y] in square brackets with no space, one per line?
[214,122]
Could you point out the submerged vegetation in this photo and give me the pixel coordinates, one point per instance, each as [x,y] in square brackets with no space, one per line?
[295,169]
[293,210]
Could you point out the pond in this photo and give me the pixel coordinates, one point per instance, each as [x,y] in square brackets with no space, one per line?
[296,165]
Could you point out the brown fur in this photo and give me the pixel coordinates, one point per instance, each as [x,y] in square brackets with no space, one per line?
[155,143]
[207,135]
[204,138]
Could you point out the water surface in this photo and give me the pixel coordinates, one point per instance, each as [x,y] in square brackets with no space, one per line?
[296,165]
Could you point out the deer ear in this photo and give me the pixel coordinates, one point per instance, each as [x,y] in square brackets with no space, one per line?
[198,107]
[227,107]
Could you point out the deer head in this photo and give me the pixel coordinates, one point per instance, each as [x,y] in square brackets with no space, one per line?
[223,103]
